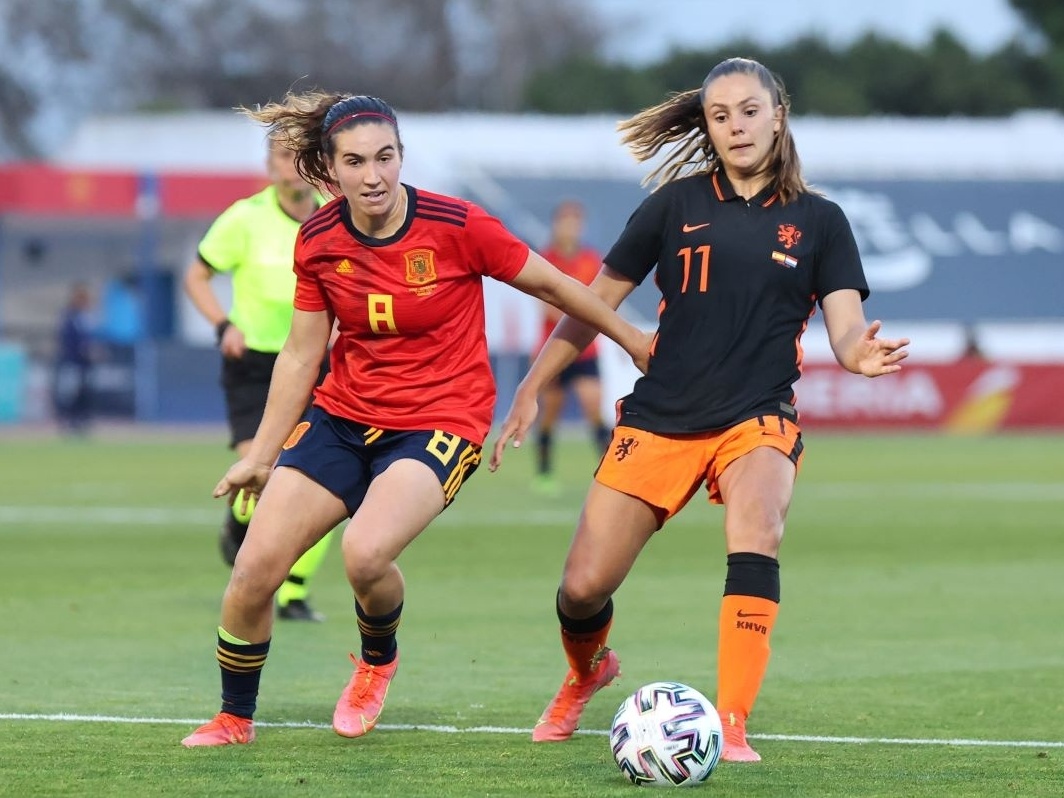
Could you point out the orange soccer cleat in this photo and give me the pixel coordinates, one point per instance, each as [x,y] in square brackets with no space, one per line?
[224,729]
[562,715]
[736,748]
[362,700]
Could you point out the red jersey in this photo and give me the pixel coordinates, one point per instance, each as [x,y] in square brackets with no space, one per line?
[583,265]
[412,352]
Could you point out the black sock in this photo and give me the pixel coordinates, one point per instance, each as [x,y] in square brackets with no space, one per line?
[545,450]
[580,626]
[241,666]
[752,574]
[379,646]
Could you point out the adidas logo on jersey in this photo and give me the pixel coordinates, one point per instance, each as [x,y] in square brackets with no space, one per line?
[345,267]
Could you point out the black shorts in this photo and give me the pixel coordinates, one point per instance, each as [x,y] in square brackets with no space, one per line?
[581,368]
[344,456]
[246,382]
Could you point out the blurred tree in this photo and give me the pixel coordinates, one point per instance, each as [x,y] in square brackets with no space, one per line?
[34,37]
[1046,16]
[587,85]
[874,75]
[413,52]
[63,58]
[16,106]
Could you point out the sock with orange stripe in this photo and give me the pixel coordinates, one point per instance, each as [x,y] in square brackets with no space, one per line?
[747,615]
[583,638]
[241,663]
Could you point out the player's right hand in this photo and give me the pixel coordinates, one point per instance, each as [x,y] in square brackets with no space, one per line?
[519,420]
[246,476]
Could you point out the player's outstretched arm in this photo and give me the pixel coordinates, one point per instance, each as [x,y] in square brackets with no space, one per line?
[597,306]
[854,342]
[590,310]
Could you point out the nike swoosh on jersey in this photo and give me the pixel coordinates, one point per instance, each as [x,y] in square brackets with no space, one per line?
[690,228]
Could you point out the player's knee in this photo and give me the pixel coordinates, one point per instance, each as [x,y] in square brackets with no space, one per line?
[253,583]
[364,570]
[757,534]
[757,516]
[582,594]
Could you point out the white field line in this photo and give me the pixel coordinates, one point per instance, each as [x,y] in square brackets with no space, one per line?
[153,516]
[801,738]
[562,513]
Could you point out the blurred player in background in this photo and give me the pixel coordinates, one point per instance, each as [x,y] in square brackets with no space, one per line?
[253,241]
[74,362]
[744,251]
[568,252]
[399,422]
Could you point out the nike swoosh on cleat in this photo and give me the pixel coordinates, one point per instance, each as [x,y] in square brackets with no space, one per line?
[742,614]
[690,228]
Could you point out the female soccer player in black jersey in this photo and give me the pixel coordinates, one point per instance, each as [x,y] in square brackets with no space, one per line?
[743,251]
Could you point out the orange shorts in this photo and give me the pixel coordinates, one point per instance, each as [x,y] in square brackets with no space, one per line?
[666,470]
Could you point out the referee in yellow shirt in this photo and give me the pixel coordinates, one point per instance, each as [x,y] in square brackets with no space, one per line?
[253,241]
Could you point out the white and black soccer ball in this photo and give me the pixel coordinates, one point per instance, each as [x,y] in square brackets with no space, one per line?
[667,734]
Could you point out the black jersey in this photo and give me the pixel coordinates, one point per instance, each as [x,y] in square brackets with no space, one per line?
[739,281]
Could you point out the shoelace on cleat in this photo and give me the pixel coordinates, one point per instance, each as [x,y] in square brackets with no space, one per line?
[230,724]
[365,675]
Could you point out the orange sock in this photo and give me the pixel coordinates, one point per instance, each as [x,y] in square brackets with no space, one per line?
[580,649]
[743,649]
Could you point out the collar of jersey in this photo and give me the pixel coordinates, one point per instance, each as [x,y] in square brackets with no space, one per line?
[725,192]
[369,241]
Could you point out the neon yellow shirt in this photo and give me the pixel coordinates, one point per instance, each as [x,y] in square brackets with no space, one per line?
[253,240]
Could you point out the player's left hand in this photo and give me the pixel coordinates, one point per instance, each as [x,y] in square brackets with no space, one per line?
[878,356]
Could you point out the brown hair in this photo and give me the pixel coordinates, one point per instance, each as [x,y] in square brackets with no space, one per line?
[307,123]
[681,122]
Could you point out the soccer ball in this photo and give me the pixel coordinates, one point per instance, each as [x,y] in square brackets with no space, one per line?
[667,734]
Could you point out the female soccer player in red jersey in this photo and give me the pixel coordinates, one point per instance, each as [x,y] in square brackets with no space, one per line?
[567,250]
[407,403]
[744,251]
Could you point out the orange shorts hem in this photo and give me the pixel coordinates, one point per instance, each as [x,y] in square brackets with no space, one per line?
[665,471]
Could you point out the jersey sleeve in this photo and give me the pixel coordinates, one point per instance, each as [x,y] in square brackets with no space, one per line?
[309,295]
[223,246]
[839,265]
[589,265]
[494,250]
[638,248]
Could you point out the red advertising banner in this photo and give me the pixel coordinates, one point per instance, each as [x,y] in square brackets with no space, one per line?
[971,395]
[42,190]
[35,189]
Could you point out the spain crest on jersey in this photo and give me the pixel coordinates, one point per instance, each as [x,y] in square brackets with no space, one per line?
[420,266]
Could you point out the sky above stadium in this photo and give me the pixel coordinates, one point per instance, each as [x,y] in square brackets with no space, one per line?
[648,30]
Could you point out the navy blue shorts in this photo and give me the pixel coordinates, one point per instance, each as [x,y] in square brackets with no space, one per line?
[581,368]
[344,456]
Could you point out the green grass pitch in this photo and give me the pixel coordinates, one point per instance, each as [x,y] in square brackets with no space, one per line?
[919,650]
